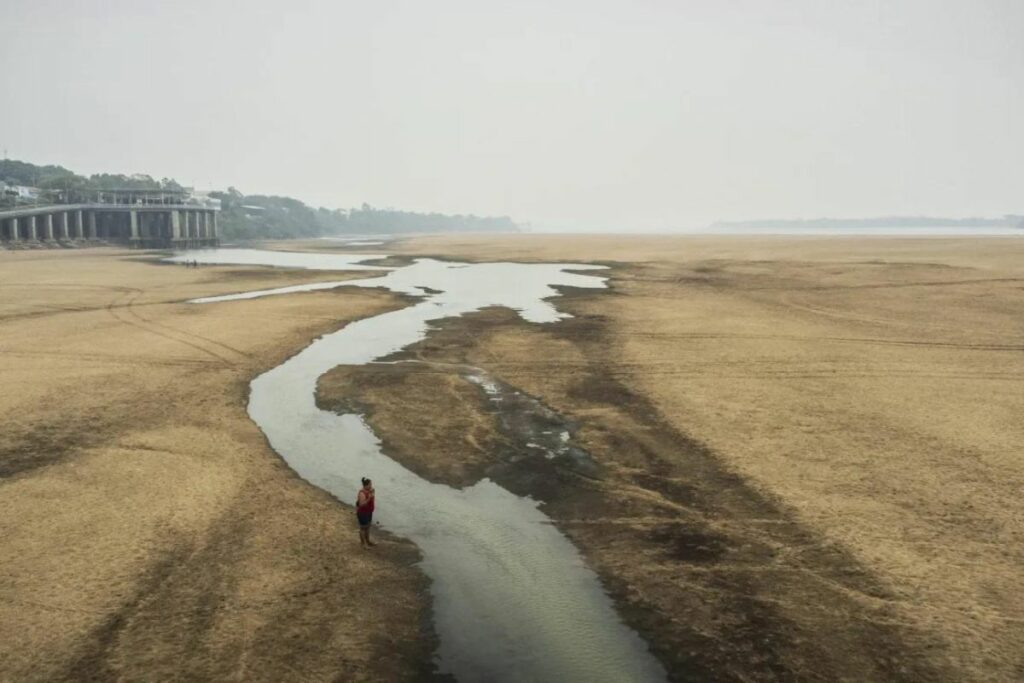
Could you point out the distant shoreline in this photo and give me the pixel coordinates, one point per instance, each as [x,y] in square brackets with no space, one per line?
[1015,222]
[872,231]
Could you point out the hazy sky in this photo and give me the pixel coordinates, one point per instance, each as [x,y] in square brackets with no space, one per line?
[568,114]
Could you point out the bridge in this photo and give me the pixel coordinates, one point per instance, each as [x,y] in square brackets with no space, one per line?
[138,224]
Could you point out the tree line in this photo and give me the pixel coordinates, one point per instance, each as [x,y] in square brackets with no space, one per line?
[56,179]
[256,216]
[268,216]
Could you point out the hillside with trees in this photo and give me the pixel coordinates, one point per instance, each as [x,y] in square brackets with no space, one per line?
[256,216]
[262,216]
[57,179]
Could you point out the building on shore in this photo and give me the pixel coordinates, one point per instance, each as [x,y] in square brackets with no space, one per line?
[148,219]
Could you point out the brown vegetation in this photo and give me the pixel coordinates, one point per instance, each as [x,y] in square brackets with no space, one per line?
[811,446]
[808,460]
[147,529]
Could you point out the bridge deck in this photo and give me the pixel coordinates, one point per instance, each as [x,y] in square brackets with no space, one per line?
[57,208]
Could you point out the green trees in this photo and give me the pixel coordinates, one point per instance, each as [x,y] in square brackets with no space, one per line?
[263,216]
[255,216]
[368,220]
[274,217]
[14,172]
[57,179]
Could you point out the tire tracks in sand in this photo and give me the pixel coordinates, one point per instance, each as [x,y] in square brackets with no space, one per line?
[124,310]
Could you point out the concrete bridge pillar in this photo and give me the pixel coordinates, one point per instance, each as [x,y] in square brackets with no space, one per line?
[216,233]
[133,225]
[13,230]
[62,225]
[92,225]
[175,226]
[79,232]
[48,227]
[31,220]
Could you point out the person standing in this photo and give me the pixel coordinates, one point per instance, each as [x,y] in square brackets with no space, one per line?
[364,512]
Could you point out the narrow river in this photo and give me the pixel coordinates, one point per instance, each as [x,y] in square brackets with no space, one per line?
[513,599]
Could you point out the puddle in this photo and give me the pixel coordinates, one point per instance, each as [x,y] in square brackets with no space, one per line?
[281,259]
[349,242]
[534,429]
[513,598]
[538,440]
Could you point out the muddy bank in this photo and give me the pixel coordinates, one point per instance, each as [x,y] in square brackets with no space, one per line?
[489,429]
[720,580]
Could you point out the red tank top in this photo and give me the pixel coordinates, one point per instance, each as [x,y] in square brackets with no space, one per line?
[368,505]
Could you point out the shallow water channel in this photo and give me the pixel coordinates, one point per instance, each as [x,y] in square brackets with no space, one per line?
[513,599]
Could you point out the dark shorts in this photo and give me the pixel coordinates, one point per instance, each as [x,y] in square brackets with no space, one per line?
[364,518]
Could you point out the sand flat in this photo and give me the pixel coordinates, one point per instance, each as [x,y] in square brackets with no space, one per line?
[872,388]
[810,453]
[147,529]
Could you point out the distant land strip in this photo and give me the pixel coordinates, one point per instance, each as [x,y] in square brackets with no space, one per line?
[1007,221]
[242,217]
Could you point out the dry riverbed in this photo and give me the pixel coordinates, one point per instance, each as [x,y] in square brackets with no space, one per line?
[147,530]
[808,450]
[785,458]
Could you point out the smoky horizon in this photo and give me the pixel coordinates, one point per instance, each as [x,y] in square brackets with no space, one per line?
[568,116]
